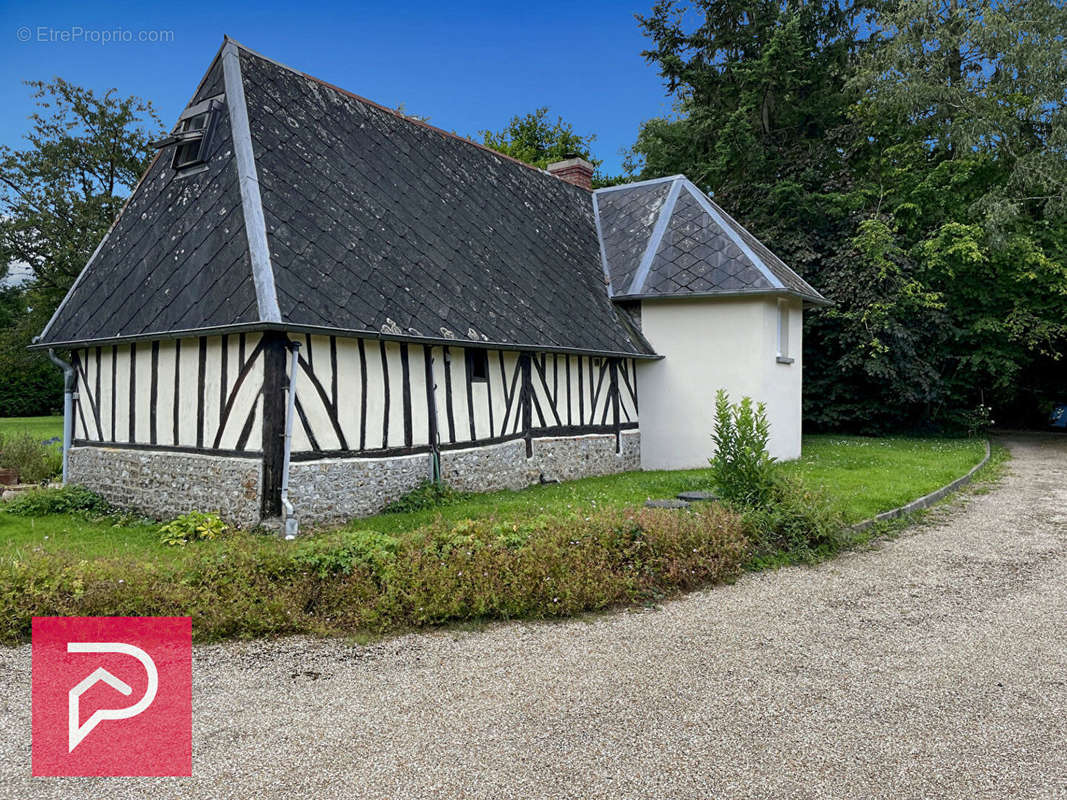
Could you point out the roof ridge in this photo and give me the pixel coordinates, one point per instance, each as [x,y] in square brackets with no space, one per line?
[633,184]
[394,112]
[248,180]
[717,213]
[655,239]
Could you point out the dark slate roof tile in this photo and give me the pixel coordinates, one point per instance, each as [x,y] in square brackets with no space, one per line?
[146,274]
[627,218]
[698,249]
[417,220]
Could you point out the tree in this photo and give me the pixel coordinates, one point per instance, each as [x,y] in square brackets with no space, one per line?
[58,196]
[914,173]
[535,139]
[966,101]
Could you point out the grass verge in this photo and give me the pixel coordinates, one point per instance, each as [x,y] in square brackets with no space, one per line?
[545,552]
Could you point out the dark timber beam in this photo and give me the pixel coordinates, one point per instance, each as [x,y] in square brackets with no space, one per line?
[274,379]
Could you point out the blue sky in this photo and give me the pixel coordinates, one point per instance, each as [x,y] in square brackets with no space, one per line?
[468,66]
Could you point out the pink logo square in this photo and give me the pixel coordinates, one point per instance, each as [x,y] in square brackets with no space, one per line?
[112,696]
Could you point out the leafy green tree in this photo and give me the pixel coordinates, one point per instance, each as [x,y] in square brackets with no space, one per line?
[58,195]
[908,159]
[966,101]
[537,140]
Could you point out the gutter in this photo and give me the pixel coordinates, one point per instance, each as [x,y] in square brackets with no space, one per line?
[68,405]
[291,523]
[352,333]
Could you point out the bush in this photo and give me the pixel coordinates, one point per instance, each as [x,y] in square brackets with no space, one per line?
[352,581]
[34,461]
[426,495]
[59,500]
[340,553]
[196,526]
[798,524]
[743,471]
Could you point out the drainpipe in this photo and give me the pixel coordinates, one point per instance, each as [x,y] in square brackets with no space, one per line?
[291,524]
[68,405]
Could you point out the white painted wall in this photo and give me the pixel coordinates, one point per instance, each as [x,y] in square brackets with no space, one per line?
[707,344]
[176,371]
[575,392]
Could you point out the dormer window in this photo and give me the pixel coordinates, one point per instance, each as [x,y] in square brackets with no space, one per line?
[193,135]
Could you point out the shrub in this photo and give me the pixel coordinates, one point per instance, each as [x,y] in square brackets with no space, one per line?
[427,494]
[34,461]
[196,526]
[741,468]
[340,553]
[474,569]
[798,524]
[59,500]
[352,581]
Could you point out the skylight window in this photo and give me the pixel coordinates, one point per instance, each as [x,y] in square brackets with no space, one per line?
[193,135]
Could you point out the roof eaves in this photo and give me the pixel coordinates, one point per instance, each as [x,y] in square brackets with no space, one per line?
[251,201]
[814,300]
[254,327]
[654,240]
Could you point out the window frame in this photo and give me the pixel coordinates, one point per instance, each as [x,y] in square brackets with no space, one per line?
[782,340]
[185,136]
[482,357]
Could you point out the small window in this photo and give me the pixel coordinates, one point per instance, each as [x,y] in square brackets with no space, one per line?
[783,356]
[193,138]
[478,365]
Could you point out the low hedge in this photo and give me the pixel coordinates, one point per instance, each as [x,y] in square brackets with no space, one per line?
[362,581]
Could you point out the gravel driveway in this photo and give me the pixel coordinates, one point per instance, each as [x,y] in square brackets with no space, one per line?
[932,666]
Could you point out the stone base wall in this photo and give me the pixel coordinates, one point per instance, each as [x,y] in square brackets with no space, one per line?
[161,483]
[333,490]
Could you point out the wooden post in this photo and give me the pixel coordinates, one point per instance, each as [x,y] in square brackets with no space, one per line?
[526,399]
[613,372]
[274,381]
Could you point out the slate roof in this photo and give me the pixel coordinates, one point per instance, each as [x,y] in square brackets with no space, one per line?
[321,211]
[666,238]
[374,223]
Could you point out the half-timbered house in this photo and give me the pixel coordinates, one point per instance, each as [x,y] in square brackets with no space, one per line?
[312,303]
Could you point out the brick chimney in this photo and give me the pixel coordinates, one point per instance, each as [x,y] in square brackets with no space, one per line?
[574,170]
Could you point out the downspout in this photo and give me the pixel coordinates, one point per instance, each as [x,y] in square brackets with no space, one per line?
[68,407]
[291,524]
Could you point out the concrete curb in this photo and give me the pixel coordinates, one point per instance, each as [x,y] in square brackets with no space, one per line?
[926,500]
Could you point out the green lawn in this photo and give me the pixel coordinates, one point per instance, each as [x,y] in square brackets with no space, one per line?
[43,428]
[544,552]
[21,537]
[863,476]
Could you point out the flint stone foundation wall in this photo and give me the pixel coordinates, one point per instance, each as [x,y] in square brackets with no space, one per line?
[162,483]
[337,489]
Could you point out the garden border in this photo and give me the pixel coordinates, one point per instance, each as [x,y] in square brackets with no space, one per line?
[926,500]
